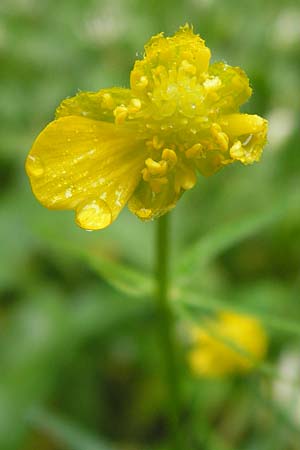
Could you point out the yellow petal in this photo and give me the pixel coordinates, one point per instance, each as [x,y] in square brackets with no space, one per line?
[229,344]
[148,205]
[234,89]
[90,166]
[211,163]
[248,135]
[94,105]
[239,124]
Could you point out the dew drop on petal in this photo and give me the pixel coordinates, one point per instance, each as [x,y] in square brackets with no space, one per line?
[144,213]
[93,214]
[34,166]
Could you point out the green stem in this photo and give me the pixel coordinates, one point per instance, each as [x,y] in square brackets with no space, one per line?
[166,330]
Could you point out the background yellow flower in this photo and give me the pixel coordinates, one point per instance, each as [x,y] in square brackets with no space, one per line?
[229,344]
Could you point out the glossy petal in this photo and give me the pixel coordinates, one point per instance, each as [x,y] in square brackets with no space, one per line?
[248,135]
[94,105]
[211,163]
[86,165]
[148,205]
[234,89]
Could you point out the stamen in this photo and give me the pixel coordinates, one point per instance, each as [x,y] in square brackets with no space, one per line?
[221,137]
[236,150]
[120,113]
[107,101]
[143,82]
[156,168]
[169,156]
[135,105]
[194,152]
[157,143]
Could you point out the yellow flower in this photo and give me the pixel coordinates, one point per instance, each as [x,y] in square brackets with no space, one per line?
[144,145]
[229,344]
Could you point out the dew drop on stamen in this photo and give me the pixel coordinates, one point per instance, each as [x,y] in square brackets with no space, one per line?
[93,214]
[34,166]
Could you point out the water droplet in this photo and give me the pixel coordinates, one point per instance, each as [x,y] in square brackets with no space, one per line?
[144,213]
[93,214]
[34,166]
[68,193]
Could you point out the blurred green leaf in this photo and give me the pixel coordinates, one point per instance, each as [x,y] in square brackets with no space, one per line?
[208,247]
[66,432]
[40,338]
[122,277]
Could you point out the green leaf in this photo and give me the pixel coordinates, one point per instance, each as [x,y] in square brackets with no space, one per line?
[66,432]
[208,247]
[124,279]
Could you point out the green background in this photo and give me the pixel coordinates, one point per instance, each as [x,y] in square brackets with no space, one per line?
[80,365]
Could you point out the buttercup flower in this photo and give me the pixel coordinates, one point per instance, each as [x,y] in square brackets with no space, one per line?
[144,145]
[230,344]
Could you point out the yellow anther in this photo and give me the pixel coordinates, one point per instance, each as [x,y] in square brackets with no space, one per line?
[156,168]
[212,84]
[146,174]
[223,140]
[215,129]
[170,157]
[189,179]
[221,137]
[107,101]
[120,113]
[185,178]
[135,105]
[236,151]
[157,143]
[188,67]
[194,152]
[143,82]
